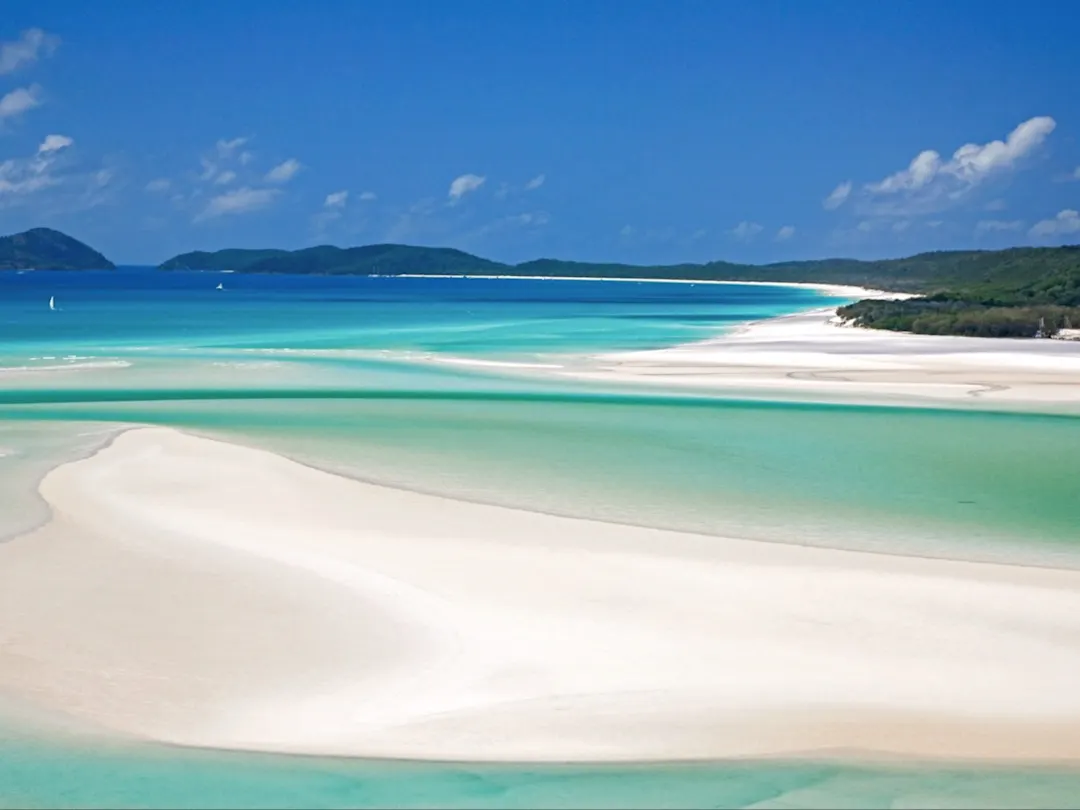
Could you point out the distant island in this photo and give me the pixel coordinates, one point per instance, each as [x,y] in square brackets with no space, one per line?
[46,249]
[1019,292]
[924,273]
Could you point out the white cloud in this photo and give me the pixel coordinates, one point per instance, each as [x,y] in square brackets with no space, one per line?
[19,101]
[238,201]
[225,178]
[1076,174]
[20,177]
[465,184]
[970,164]
[746,231]
[785,233]
[971,161]
[209,170]
[29,47]
[626,230]
[995,205]
[161,184]
[998,225]
[54,143]
[837,196]
[337,199]
[332,208]
[1066,221]
[901,225]
[865,226]
[51,181]
[226,148]
[535,183]
[368,196]
[284,171]
[922,169]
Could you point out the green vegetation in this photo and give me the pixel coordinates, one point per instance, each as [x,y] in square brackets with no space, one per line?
[230,259]
[369,260]
[924,273]
[1015,298]
[46,249]
[1003,293]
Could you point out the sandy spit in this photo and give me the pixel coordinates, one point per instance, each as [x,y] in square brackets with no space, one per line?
[197,592]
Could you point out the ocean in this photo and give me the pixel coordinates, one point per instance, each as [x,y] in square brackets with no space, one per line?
[445,386]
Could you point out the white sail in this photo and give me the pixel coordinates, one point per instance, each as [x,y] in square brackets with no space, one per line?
[221,286]
[52,302]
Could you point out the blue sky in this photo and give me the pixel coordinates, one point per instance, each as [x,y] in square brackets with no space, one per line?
[621,130]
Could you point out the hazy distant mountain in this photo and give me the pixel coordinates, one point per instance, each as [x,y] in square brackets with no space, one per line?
[46,249]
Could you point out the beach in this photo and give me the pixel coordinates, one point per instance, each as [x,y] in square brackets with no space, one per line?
[202,593]
[815,355]
[496,542]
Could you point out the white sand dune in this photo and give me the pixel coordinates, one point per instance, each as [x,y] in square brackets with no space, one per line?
[197,592]
[810,354]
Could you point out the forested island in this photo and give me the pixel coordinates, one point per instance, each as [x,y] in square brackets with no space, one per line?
[924,273]
[46,249]
[1019,292]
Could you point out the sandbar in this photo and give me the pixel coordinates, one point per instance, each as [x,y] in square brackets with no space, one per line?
[199,592]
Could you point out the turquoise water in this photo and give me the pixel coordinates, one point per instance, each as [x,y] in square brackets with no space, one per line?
[350,374]
[40,775]
[128,311]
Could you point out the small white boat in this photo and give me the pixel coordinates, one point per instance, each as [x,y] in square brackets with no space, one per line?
[52,302]
[220,287]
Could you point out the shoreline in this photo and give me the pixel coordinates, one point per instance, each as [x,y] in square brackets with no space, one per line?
[205,594]
[837,290]
[812,356]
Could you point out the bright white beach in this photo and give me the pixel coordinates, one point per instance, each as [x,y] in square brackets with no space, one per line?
[837,290]
[813,354]
[202,593]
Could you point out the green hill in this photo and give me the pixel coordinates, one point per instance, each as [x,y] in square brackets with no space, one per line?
[924,273]
[46,249]
[328,260]
[229,259]
[1014,292]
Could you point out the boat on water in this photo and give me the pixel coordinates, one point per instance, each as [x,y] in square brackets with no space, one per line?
[52,302]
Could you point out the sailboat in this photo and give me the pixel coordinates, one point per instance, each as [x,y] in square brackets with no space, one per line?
[52,302]
[220,287]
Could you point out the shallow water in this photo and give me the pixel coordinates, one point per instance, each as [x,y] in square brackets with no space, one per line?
[348,374]
[35,774]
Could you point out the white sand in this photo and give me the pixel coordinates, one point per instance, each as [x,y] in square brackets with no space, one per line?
[202,593]
[811,354]
[835,290]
